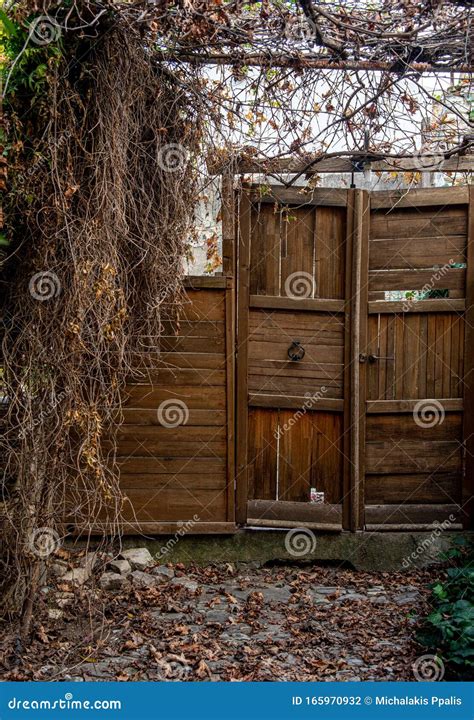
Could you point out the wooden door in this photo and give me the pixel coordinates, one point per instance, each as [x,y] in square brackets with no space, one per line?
[292,334]
[370,425]
[417,370]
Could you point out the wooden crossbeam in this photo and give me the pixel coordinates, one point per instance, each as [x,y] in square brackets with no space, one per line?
[282,166]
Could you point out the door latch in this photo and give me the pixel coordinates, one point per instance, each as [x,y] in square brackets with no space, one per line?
[296,351]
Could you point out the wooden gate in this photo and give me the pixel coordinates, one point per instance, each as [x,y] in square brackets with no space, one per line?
[354,359]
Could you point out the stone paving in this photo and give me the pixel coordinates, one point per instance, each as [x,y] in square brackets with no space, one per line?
[140,621]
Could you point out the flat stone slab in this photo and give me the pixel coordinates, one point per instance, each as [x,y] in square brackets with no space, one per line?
[139,558]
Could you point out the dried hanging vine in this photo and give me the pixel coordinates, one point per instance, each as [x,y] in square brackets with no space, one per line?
[100,189]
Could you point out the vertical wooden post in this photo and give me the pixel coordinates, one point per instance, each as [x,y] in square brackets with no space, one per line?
[229,270]
[243,254]
[468,417]
[358,343]
[348,355]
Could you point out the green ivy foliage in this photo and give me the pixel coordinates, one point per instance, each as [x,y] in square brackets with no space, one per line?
[449,628]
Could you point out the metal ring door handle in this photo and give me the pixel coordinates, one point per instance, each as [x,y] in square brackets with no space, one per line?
[296,351]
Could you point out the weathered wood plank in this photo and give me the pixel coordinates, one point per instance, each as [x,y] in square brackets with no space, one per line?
[290,303]
[446,279]
[378,307]
[295,511]
[408,406]
[315,401]
[416,252]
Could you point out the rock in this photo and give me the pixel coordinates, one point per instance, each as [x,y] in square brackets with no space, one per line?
[139,558]
[122,567]
[352,597]
[55,613]
[379,600]
[407,598]
[64,598]
[113,581]
[88,562]
[354,661]
[324,590]
[142,579]
[58,568]
[275,594]
[217,616]
[78,576]
[187,583]
[163,573]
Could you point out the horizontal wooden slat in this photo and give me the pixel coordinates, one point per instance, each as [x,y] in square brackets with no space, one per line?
[211,329]
[139,447]
[179,376]
[194,343]
[293,196]
[419,197]
[379,307]
[412,223]
[403,406]
[411,514]
[267,385]
[169,360]
[202,305]
[296,402]
[297,370]
[170,465]
[404,427]
[412,456]
[182,481]
[205,281]
[287,303]
[413,489]
[149,416]
[147,396]
[294,512]
[158,528]
[425,252]
[182,433]
[172,504]
[451,279]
